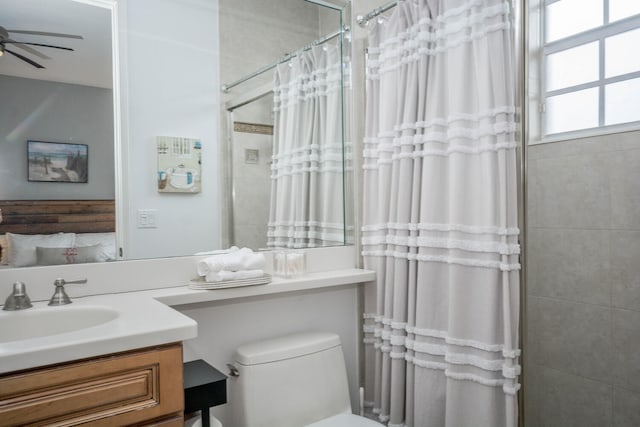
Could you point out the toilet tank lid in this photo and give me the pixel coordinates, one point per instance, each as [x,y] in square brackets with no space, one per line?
[285,347]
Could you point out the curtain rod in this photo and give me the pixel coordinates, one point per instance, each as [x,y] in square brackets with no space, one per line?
[363,19]
[324,4]
[326,38]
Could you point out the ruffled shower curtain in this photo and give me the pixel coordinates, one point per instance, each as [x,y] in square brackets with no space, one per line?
[439,219]
[307,168]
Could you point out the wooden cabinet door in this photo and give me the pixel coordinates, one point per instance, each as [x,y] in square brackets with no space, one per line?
[117,390]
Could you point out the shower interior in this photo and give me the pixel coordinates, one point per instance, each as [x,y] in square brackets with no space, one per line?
[249,118]
[251,146]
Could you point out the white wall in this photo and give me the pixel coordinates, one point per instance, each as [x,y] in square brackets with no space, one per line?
[54,112]
[172,89]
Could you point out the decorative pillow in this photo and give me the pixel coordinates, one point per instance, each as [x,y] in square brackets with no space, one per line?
[4,250]
[72,255]
[107,240]
[22,247]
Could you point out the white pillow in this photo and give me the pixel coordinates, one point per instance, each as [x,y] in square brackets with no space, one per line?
[106,240]
[22,252]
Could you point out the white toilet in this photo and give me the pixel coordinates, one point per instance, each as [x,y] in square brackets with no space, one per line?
[292,381]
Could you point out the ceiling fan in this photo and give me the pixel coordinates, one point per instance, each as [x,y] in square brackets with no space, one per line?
[5,39]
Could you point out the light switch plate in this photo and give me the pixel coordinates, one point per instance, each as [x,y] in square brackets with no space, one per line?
[147,218]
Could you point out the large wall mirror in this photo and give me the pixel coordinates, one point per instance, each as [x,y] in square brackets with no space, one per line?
[170,87]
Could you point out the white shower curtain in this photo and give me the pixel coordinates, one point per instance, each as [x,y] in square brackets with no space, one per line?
[307,168]
[439,218]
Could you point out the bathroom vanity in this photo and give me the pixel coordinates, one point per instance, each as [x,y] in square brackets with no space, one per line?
[142,387]
[103,360]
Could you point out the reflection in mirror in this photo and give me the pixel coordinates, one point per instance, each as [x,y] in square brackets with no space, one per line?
[251,147]
[171,87]
[286,139]
[62,93]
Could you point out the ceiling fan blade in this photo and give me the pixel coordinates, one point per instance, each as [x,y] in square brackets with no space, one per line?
[37,44]
[24,58]
[27,49]
[45,33]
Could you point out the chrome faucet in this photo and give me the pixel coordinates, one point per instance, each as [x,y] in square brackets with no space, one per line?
[18,300]
[60,297]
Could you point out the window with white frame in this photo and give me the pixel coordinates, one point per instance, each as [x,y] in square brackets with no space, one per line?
[591,65]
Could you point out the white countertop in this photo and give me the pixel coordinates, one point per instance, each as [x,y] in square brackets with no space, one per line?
[310,281]
[144,319]
[141,322]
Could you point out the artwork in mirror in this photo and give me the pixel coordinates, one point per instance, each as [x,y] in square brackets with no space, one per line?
[57,162]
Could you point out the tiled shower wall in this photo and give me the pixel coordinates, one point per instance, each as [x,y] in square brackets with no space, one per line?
[252,181]
[583,311]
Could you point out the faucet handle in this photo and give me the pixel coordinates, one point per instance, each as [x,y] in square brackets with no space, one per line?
[18,300]
[60,296]
[62,282]
[19,289]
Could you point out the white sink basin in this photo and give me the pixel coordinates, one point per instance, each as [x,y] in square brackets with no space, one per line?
[46,321]
[91,326]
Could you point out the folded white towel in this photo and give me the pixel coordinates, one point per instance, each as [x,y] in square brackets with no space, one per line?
[253,261]
[204,266]
[223,276]
[241,259]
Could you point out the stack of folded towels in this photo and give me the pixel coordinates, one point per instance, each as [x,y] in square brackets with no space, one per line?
[235,264]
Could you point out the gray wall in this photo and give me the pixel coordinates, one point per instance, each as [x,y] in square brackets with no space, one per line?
[55,112]
[583,350]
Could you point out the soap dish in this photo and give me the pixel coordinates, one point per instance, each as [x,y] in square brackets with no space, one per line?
[200,283]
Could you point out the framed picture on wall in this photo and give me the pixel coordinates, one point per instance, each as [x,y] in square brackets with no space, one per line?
[179,164]
[57,162]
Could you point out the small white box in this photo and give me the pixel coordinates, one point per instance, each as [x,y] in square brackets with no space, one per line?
[288,263]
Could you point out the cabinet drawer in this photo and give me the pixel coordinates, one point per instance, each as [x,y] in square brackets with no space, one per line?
[114,390]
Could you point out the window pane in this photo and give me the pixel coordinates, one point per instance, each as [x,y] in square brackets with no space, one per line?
[621,53]
[619,9]
[622,102]
[572,111]
[572,66]
[567,17]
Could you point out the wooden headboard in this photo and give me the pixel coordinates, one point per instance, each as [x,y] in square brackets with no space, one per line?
[53,216]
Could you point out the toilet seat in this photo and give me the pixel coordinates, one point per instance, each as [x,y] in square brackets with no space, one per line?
[345,420]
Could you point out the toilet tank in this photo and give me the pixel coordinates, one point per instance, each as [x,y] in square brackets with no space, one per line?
[292,381]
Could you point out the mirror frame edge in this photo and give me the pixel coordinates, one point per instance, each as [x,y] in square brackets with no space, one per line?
[118,69]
